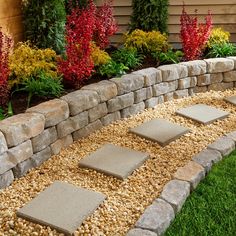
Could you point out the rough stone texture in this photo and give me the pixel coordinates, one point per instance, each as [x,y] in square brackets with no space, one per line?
[113,160]
[215,65]
[224,145]
[21,152]
[128,83]
[234,59]
[81,100]
[152,102]
[191,92]
[180,93]
[132,110]
[140,95]
[164,88]
[203,80]
[197,67]
[22,168]
[188,82]
[231,99]
[47,137]
[40,157]
[120,102]
[198,89]
[6,179]
[62,206]
[191,172]
[151,76]
[168,96]
[72,124]
[175,192]
[149,92]
[22,127]
[112,117]
[61,143]
[230,76]
[55,111]
[232,136]
[3,144]
[105,89]
[140,232]
[207,158]
[216,78]
[157,217]
[87,130]
[173,72]
[97,112]
[6,163]
[220,86]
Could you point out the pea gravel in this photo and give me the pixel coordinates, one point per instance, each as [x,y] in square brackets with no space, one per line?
[126,200]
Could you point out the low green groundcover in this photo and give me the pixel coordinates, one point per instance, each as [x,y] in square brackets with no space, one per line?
[211,208]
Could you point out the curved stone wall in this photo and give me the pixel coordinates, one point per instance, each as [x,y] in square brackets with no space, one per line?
[29,139]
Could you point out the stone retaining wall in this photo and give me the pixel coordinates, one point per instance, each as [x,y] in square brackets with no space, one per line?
[29,139]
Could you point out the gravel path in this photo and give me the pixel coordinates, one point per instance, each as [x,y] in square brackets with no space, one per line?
[126,200]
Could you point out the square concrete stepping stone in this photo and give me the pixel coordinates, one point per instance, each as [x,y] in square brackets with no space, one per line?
[202,113]
[114,160]
[160,130]
[62,206]
[231,99]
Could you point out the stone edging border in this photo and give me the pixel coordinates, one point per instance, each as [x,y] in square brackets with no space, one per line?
[30,138]
[158,216]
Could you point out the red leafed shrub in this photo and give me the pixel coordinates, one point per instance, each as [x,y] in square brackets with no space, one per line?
[194,35]
[5,48]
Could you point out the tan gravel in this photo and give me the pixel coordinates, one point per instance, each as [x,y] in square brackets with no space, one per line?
[126,200]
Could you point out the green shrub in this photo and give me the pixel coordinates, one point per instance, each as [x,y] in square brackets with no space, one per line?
[169,57]
[150,15]
[44,22]
[222,50]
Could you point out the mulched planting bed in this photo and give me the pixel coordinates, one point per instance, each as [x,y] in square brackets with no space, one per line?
[126,200]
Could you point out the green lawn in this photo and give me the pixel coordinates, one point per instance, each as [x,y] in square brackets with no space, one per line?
[211,208]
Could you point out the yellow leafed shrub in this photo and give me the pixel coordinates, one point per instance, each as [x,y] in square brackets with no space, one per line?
[99,57]
[218,36]
[147,42]
[26,61]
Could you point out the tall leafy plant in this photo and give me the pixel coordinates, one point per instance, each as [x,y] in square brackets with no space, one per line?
[44,22]
[150,15]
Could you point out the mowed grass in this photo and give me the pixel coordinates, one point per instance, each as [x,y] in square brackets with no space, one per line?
[211,208]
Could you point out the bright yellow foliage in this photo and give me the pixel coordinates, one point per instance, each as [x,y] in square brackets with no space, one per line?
[26,61]
[147,42]
[218,36]
[99,57]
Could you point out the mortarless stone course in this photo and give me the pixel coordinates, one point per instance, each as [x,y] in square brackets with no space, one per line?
[6,179]
[188,82]
[173,72]
[61,143]
[132,110]
[191,172]
[40,157]
[224,145]
[198,89]
[152,102]
[168,96]
[165,87]
[234,59]
[157,217]
[206,158]
[175,192]
[216,78]
[203,80]
[111,117]
[22,168]
[149,92]
[197,67]
[140,95]
[3,144]
[230,76]
[216,65]
[140,232]
[180,93]
[6,163]
[220,86]
[55,111]
[97,112]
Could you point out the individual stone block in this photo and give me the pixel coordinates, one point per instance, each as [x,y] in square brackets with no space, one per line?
[120,102]
[175,192]
[6,163]
[168,96]
[140,232]
[151,76]
[188,82]
[157,217]
[191,172]
[207,158]
[81,100]
[47,137]
[231,99]
[160,130]
[197,67]
[180,93]
[3,144]
[6,179]
[55,111]
[173,72]
[40,157]
[117,161]
[61,143]
[149,92]
[87,130]
[232,136]
[22,168]
[132,110]
[198,89]
[128,83]
[203,80]
[230,76]
[105,89]
[22,127]
[234,59]
[224,145]
[112,117]
[140,95]
[97,112]
[152,102]
[164,88]
[216,65]
[216,78]
[191,92]
[62,206]
[202,113]
[21,152]
[221,86]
